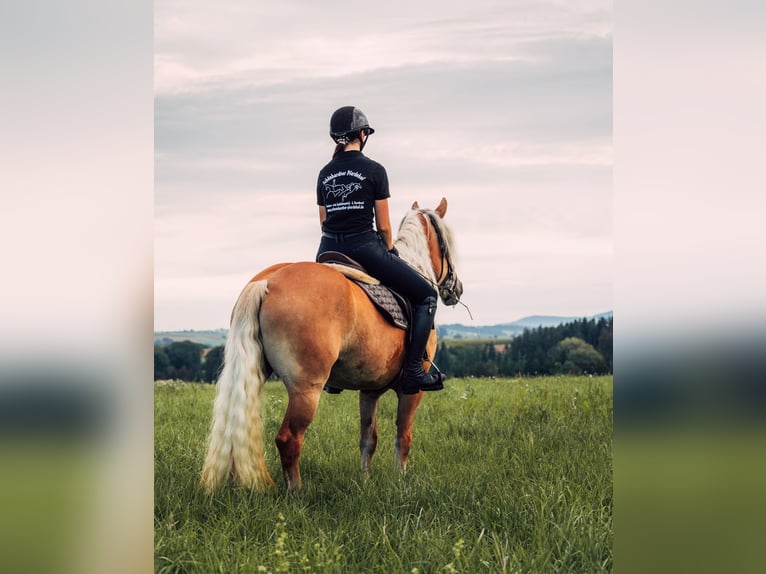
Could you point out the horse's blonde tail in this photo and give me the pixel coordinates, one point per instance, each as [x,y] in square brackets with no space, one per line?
[236,439]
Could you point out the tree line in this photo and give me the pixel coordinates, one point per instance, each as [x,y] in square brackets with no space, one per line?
[583,346]
[187,361]
[579,347]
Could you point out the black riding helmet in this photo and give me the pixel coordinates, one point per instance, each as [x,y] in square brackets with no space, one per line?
[347,123]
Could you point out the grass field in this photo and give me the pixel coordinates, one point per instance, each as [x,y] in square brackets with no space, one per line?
[505,475]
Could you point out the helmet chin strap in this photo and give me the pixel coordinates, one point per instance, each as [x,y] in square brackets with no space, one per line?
[362,140]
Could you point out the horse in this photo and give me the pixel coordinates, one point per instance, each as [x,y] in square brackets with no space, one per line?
[313,327]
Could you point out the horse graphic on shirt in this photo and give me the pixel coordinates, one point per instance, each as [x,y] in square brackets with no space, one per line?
[341,191]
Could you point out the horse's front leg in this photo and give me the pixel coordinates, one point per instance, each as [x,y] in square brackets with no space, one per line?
[405,416]
[301,408]
[368,438]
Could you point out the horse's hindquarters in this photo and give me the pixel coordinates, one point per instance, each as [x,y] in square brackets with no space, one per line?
[317,326]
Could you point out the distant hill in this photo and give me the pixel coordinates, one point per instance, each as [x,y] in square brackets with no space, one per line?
[505,330]
[216,337]
[211,338]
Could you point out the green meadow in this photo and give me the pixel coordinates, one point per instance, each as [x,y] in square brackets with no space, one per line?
[505,475]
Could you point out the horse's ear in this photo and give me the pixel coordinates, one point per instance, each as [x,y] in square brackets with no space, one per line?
[442,208]
[415,205]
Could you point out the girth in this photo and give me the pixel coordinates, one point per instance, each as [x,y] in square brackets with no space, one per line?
[392,305]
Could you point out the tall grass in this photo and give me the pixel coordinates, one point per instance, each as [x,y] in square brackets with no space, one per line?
[506,475]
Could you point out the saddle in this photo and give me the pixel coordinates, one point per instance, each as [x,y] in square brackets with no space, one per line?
[395,308]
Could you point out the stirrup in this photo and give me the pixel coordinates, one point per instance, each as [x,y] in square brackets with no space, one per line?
[442,376]
[437,382]
[413,383]
[437,378]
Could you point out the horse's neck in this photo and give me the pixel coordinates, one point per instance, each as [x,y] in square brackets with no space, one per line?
[417,262]
[412,243]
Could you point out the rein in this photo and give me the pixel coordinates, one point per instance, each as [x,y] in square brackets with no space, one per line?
[448,284]
[442,249]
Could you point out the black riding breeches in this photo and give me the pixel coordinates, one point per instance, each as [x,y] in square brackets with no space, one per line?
[370,250]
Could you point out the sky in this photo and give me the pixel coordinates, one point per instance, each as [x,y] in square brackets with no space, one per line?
[503,107]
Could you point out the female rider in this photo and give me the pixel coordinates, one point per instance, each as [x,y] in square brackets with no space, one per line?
[352,190]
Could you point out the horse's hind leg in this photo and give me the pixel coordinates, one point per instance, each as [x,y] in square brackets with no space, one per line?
[301,407]
[405,416]
[368,439]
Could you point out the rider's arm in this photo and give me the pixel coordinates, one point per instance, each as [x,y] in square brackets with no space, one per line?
[322,215]
[383,222]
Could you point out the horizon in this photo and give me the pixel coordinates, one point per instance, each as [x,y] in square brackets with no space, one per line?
[438,323]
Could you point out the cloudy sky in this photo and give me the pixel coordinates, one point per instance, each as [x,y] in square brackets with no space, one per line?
[503,107]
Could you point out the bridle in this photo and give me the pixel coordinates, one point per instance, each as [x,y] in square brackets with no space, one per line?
[450,287]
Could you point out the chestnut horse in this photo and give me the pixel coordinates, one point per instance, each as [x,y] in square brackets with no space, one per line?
[312,326]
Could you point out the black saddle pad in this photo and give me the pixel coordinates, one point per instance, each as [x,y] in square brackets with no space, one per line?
[392,305]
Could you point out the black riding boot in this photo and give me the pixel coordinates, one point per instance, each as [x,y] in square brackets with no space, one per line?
[414,378]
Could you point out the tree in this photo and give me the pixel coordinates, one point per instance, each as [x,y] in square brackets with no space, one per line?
[186,358]
[442,358]
[162,367]
[574,356]
[604,343]
[211,367]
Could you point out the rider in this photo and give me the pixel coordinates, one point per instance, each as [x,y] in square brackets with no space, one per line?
[352,190]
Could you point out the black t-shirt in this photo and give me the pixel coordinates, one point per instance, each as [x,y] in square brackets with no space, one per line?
[348,187]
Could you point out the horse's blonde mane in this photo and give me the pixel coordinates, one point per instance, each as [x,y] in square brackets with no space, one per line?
[412,243]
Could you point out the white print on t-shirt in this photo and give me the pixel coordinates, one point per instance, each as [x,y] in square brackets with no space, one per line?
[341,191]
[349,173]
[345,206]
